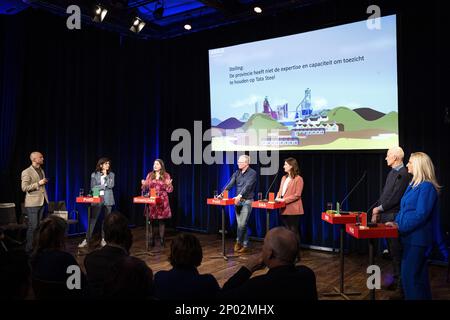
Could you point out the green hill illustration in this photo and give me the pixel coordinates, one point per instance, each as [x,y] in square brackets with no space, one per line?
[262,121]
[352,121]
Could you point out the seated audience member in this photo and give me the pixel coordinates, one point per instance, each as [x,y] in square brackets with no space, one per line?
[50,263]
[130,278]
[101,265]
[183,282]
[284,281]
[14,275]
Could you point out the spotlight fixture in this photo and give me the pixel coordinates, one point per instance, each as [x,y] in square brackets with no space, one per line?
[159,10]
[137,25]
[187,26]
[257,9]
[100,13]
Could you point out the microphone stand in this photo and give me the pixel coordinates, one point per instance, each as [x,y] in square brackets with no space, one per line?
[265,197]
[340,291]
[351,191]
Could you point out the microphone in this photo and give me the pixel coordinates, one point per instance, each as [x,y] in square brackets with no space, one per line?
[265,197]
[370,224]
[356,185]
[371,207]
[229,179]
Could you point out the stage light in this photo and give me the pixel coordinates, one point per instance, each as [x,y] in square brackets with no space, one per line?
[187,26]
[137,25]
[100,13]
[257,9]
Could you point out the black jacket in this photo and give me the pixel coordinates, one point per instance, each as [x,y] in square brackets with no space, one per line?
[285,283]
[180,284]
[394,188]
[98,265]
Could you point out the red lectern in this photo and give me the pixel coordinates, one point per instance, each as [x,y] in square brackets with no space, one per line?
[333,218]
[371,233]
[268,205]
[152,201]
[88,201]
[223,202]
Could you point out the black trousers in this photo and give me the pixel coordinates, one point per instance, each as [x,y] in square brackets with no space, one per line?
[95,213]
[395,249]
[292,222]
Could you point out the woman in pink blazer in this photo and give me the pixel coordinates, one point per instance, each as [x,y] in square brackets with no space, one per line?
[290,193]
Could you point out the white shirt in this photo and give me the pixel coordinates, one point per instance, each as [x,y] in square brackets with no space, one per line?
[102,181]
[285,185]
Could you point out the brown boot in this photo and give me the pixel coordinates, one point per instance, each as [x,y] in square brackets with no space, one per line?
[237,246]
[243,250]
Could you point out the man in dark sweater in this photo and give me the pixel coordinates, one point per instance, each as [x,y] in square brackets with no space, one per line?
[103,266]
[389,205]
[245,181]
[283,282]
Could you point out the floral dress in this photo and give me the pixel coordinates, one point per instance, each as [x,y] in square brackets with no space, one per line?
[162,209]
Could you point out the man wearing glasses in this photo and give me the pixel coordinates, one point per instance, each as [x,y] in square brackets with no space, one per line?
[245,181]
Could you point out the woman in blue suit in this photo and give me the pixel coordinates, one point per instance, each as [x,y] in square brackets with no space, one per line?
[103,179]
[418,223]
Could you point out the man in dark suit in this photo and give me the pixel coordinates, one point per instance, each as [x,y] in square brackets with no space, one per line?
[283,282]
[389,205]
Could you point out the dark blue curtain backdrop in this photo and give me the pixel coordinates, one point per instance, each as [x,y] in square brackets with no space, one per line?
[80,95]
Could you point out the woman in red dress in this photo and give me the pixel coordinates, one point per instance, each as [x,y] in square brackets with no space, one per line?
[160,180]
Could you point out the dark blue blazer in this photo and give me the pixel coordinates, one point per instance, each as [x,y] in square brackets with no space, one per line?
[418,219]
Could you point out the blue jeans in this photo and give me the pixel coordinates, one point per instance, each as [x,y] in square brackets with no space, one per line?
[243,211]
[34,217]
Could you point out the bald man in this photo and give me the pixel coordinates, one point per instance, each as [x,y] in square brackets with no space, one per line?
[33,184]
[389,205]
[284,280]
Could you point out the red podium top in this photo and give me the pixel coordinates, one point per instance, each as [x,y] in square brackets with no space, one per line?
[147,200]
[339,218]
[88,200]
[220,202]
[268,205]
[380,231]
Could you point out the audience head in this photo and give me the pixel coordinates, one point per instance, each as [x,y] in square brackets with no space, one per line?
[50,234]
[129,278]
[185,251]
[422,169]
[280,247]
[116,230]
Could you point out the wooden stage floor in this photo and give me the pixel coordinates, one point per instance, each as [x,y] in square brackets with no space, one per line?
[324,264]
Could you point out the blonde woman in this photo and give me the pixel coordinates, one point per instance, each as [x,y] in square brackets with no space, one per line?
[418,221]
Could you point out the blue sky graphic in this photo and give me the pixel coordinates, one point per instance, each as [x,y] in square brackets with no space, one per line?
[369,83]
